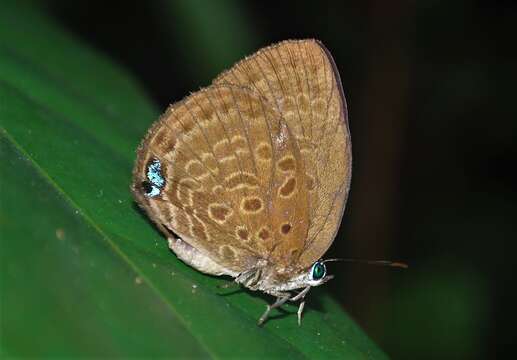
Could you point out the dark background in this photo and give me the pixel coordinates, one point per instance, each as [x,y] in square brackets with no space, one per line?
[431,93]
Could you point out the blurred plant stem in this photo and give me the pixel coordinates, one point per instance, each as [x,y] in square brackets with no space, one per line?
[210,35]
[383,113]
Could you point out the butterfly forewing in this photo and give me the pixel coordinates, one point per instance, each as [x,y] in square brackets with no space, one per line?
[289,200]
[300,79]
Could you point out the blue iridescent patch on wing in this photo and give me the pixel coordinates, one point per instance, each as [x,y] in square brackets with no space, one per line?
[154,173]
[155,177]
[154,192]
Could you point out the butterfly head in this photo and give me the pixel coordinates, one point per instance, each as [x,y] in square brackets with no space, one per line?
[315,275]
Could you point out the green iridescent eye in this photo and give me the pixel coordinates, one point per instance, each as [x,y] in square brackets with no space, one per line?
[318,271]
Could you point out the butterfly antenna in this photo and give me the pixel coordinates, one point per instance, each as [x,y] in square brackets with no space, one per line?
[372,262]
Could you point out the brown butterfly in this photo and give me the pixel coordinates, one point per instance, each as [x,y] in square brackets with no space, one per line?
[249,177]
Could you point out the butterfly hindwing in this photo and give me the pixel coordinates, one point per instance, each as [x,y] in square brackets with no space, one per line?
[218,149]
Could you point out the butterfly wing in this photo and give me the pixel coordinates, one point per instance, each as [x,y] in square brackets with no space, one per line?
[301,80]
[217,149]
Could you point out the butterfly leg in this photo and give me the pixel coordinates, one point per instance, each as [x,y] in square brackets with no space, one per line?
[279,302]
[250,278]
[301,295]
[300,311]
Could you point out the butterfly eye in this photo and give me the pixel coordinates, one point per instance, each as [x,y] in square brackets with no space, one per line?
[318,271]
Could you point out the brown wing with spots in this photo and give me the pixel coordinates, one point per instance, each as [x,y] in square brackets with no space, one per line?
[301,80]
[218,148]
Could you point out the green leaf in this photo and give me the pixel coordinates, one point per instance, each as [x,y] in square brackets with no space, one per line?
[82,271]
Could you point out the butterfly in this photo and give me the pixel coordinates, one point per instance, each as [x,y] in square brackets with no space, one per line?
[249,176]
